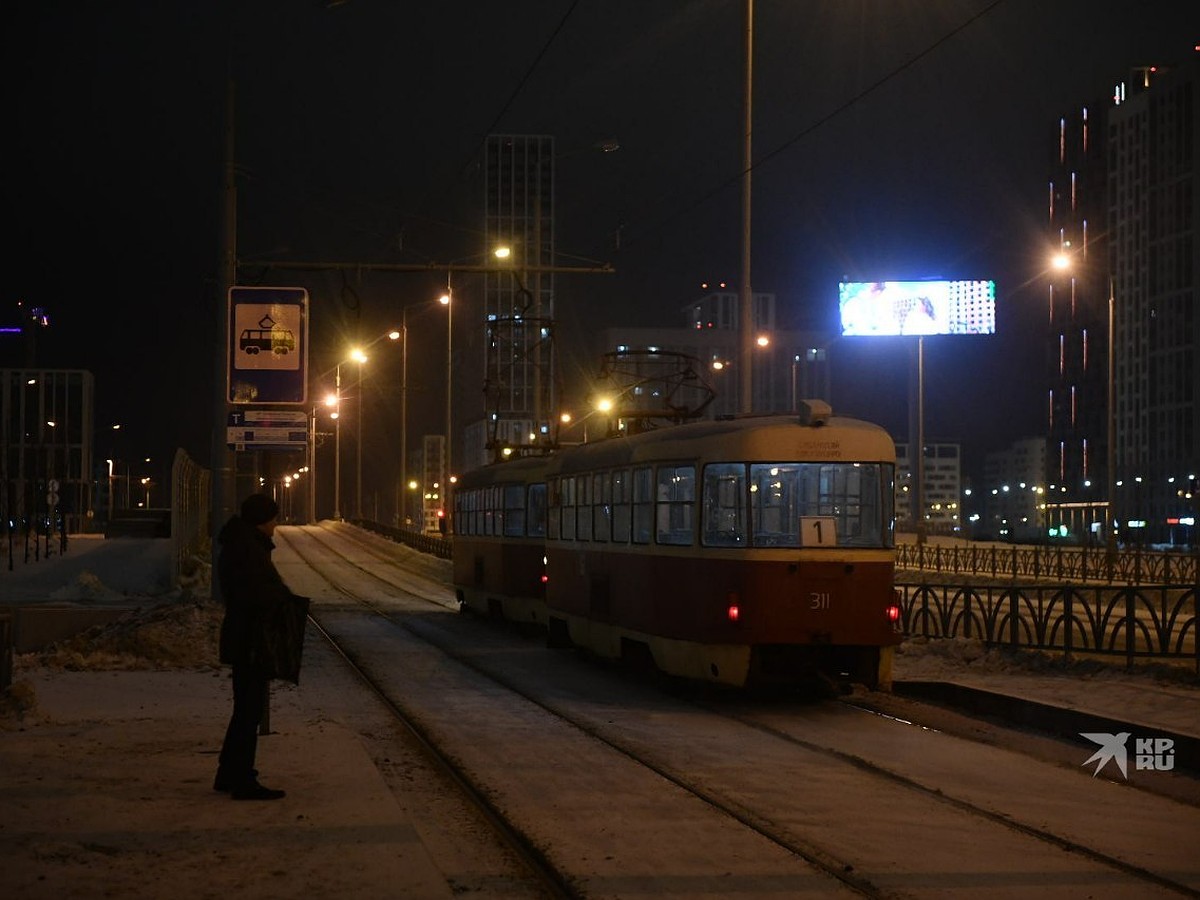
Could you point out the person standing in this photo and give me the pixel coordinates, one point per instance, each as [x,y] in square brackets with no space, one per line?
[261,637]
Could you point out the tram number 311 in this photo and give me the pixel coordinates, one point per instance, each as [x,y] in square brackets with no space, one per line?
[818,600]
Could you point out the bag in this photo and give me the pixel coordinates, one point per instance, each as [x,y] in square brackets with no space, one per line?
[281,640]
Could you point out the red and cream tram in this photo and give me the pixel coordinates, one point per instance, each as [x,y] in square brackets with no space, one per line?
[752,550]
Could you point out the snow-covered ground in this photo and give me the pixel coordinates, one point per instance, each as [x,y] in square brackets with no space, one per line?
[176,627]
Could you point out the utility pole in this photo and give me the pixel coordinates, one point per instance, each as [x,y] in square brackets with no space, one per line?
[221,489]
[746,294]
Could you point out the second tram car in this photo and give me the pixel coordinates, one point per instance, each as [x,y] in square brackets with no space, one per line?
[747,551]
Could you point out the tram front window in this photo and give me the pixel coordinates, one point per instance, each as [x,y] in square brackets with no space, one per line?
[856,497]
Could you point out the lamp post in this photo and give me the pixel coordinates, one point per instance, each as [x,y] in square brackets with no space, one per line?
[337,446]
[330,400]
[358,421]
[445,300]
[1110,537]
[359,357]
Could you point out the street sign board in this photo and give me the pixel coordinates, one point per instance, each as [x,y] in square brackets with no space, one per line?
[253,428]
[267,345]
[251,416]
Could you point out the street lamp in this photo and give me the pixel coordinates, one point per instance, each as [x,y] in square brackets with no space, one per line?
[445,300]
[358,355]
[337,442]
[331,401]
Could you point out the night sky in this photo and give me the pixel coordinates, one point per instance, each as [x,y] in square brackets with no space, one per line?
[897,140]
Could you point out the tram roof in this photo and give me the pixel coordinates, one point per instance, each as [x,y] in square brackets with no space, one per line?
[774,438]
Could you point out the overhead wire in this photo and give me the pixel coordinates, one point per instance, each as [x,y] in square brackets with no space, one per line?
[823,120]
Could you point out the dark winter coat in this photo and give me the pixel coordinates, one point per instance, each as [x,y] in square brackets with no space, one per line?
[264,621]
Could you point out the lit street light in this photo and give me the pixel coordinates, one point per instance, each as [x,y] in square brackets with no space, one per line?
[358,355]
[445,300]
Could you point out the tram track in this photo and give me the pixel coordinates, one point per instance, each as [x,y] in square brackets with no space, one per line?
[737,802]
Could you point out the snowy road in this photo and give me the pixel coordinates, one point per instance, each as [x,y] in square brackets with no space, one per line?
[637,791]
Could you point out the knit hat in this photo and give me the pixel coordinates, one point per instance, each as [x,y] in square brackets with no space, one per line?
[258,509]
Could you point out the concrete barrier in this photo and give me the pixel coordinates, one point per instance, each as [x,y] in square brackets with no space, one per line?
[6,649]
[35,627]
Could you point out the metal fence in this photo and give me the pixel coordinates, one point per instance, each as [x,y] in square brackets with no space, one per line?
[190,504]
[1073,564]
[1131,621]
[426,543]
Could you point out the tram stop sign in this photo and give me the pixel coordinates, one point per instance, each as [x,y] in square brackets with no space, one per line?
[267,345]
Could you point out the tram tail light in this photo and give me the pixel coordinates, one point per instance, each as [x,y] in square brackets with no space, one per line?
[894,611]
[733,609]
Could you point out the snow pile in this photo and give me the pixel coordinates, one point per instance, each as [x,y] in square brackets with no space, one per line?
[87,588]
[178,630]
[180,633]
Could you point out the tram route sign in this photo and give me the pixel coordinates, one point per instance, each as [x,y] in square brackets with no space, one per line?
[267,429]
[267,345]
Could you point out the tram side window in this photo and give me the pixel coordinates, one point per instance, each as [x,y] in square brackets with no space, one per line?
[514,510]
[676,501]
[493,510]
[535,521]
[568,508]
[724,505]
[554,510]
[583,496]
[460,513]
[602,506]
[622,495]
[643,505]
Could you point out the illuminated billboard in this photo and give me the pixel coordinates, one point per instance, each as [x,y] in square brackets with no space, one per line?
[917,307]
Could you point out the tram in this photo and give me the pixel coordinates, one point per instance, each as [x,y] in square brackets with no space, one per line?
[746,551]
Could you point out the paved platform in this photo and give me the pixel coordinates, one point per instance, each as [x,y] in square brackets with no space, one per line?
[106,790]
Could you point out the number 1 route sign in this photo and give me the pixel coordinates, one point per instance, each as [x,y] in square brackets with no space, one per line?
[267,345]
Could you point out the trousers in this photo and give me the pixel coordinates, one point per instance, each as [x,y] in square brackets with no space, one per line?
[236,762]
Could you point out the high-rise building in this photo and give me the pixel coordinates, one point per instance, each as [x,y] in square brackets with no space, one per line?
[1124,205]
[943,487]
[518,175]
[1013,495]
[1077,358]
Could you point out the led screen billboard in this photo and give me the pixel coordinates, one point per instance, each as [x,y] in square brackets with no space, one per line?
[917,307]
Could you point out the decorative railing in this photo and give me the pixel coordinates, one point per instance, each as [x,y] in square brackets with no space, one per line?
[1072,564]
[427,543]
[1129,621]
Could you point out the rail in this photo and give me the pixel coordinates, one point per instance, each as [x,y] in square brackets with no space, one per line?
[1144,621]
[1074,564]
